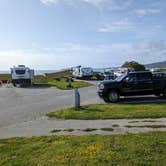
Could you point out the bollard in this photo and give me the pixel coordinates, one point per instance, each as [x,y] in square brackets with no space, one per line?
[77,99]
[69,80]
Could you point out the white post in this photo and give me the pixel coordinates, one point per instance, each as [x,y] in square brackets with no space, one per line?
[77,98]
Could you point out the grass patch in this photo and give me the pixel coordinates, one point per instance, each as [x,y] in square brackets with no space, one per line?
[147,126]
[59,80]
[115,125]
[63,84]
[89,129]
[69,130]
[151,121]
[39,79]
[128,149]
[5,77]
[107,129]
[134,121]
[56,131]
[112,111]
[65,73]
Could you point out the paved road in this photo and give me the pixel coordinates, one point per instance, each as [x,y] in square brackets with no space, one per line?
[24,104]
[22,110]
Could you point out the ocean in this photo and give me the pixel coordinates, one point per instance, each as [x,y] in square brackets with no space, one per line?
[37,72]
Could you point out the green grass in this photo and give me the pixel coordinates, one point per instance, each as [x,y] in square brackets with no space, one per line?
[147,126]
[134,121]
[39,79]
[103,150]
[69,130]
[115,125]
[112,111]
[63,84]
[51,76]
[56,131]
[89,129]
[59,80]
[107,129]
[5,77]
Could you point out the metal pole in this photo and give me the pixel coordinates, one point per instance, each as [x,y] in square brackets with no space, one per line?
[77,98]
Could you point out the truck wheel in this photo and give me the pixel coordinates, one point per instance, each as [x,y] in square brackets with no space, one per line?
[164,95]
[106,99]
[113,96]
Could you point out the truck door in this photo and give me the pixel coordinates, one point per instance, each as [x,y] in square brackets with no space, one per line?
[145,83]
[130,86]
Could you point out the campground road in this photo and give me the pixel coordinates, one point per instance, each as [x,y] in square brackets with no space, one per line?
[22,111]
[19,105]
[25,104]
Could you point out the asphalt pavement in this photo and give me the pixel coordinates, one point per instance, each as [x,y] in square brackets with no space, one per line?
[25,104]
[23,110]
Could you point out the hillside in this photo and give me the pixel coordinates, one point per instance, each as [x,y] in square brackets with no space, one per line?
[157,65]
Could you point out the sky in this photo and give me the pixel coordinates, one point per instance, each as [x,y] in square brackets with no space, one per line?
[55,34]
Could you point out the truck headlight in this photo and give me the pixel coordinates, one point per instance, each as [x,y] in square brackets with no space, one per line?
[101,86]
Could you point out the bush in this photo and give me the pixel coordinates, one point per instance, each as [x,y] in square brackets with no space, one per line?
[135,65]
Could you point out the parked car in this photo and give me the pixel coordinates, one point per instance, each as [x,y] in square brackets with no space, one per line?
[109,76]
[100,76]
[131,84]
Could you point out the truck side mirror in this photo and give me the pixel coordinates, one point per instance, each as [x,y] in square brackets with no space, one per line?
[126,80]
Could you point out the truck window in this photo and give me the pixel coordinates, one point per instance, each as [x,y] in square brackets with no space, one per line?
[144,76]
[132,77]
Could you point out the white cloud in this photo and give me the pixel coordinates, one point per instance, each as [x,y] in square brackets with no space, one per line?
[76,54]
[144,12]
[109,4]
[118,26]
[50,2]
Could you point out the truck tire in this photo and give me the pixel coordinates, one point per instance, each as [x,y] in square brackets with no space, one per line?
[164,94]
[113,96]
[106,99]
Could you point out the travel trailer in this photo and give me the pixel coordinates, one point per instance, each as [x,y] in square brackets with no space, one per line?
[82,72]
[22,75]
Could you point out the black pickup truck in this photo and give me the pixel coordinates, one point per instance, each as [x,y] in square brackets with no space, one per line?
[132,84]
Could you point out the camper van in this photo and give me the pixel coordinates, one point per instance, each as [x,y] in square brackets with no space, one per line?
[22,75]
[82,72]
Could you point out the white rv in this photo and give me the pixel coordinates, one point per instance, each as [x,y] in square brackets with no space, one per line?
[22,75]
[82,72]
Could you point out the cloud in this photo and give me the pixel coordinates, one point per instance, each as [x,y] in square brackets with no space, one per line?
[118,26]
[109,4]
[144,12]
[157,45]
[73,54]
[50,2]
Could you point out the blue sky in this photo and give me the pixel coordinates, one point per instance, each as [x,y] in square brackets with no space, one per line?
[54,34]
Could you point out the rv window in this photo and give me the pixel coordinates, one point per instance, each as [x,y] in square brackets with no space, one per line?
[20,71]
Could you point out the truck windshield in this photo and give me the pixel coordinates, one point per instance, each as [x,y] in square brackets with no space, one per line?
[120,78]
[20,71]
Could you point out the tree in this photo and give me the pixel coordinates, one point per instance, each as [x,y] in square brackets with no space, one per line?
[135,65]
